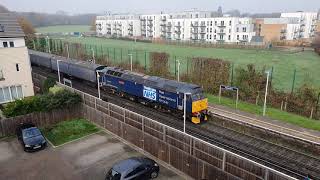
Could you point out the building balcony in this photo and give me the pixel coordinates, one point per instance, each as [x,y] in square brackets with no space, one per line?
[150,30]
[163,18]
[169,25]
[301,30]
[169,32]
[203,25]
[109,33]
[130,34]
[221,25]
[108,28]
[163,30]
[150,25]
[143,19]
[243,40]
[194,38]
[194,25]
[162,24]
[178,26]
[177,32]
[221,33]
[222,40]
[202,32]
[150,20]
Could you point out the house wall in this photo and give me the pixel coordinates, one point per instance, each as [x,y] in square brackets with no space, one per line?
[10,58]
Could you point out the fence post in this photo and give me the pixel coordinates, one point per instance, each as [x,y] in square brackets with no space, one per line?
[271,78]
[294,79]
[145,60]
[224,161]
[175,66]
[121,55]
[232,65]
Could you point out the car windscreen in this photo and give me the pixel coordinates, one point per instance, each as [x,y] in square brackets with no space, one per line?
[113,175]
[31,132]
[197,96]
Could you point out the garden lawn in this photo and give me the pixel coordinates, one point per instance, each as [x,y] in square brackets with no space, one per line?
[67,131]
[272,113]
[284,62]
[63,29]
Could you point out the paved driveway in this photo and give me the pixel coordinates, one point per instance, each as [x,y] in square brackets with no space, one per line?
[85,159]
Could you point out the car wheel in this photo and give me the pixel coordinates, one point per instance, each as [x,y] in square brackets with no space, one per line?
[154,174]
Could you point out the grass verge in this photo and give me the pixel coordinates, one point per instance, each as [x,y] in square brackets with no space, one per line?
[271,112]
[69,130]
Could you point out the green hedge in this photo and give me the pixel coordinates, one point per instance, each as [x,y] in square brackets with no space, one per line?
[42,103]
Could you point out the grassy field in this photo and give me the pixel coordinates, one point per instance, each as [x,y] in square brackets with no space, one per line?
[284,62]
[271,112]
[69,130]
[63,29]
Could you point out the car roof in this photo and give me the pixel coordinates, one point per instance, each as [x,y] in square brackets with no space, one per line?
[26,125]
[129,164]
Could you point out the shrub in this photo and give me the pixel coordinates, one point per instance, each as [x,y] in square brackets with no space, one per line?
[47,84]
[42,103]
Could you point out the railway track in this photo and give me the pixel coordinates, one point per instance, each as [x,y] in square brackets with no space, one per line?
[293,163]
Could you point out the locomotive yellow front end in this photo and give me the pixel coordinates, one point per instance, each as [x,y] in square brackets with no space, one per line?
[199,110]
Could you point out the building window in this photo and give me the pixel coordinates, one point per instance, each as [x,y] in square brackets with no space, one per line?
[244,29]
[215,37]
[237,37]
[211,23]
[222,23]
[230,23]
[215,23]
[221,37]
[17,67]
[229,37]
[237,29]
[207,36]
[229,30]
[215,31]
[210,30]
[11,44]
[11,93]
[210,36]
[207,30]
[5,44]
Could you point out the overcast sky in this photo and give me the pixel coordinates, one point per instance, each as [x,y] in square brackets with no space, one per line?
[142,6]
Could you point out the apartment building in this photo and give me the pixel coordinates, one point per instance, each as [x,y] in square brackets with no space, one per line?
[15,68]
[278,29]
[118,26]
[307,22]
[185,26]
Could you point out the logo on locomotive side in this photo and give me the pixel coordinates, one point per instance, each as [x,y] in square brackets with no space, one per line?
[149,93]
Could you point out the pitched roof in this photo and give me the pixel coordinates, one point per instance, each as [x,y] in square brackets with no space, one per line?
[9,26]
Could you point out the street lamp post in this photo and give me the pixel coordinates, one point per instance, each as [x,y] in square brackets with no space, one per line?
[185,111]
[266,93]
[98,80]
[130,61]
[58,67]
[93,57]
[178,68]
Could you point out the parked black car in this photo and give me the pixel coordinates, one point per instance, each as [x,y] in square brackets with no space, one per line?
[30,137]
[136,168]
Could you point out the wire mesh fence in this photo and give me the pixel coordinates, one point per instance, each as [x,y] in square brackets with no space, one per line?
[183,66]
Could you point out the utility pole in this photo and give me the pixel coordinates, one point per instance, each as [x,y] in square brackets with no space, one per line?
[93,57]
[178,68]
[185,111]
[266,93]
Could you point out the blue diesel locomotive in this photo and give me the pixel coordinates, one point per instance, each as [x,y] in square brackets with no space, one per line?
[157,92]
[149,90]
